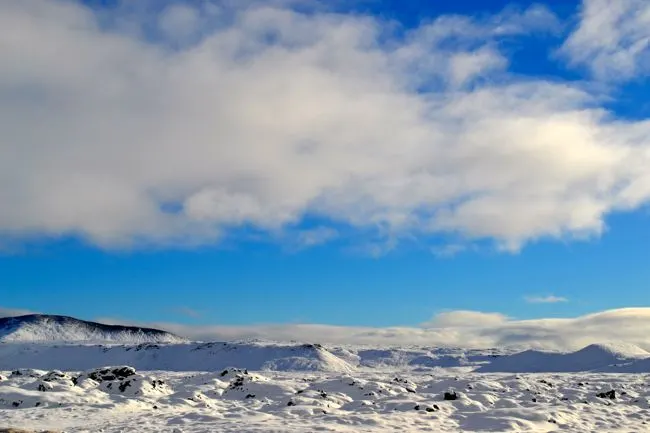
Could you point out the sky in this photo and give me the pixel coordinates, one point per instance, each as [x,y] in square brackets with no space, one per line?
[260,166]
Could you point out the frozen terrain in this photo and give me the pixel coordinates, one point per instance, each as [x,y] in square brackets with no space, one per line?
[264,386]
[123,400]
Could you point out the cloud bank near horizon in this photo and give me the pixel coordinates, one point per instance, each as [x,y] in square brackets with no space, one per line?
[471,329]
[130,127]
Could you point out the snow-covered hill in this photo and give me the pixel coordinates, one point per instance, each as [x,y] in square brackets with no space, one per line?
[595,357]
[268,356]
[173,357]
[43,328]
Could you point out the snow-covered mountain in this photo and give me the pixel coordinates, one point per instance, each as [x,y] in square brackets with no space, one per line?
[42,328]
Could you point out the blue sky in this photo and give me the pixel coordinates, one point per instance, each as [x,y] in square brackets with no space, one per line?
[352,169]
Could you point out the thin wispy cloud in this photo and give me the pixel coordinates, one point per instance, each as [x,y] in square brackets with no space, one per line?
[612,39]
[549,299]
[448,250]
[465,318]
[189,312]
[317,236]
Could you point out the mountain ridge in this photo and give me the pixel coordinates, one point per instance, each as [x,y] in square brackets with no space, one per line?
[58,328]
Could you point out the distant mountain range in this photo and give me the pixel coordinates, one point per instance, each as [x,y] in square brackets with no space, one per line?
[50,328]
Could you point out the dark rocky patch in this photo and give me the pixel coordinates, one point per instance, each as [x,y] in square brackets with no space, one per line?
[607,394]
[450,395]
[110,374]
[124,385]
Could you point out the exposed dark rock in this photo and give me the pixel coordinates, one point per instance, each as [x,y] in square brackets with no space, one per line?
[124,385]
[56,376]
[111,373]
[608,394]
[450,395]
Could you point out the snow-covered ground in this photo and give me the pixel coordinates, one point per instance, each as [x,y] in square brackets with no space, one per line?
[244,401]
[262,387]
[52,377]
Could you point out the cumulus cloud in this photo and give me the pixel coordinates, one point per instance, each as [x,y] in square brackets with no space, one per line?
[458,329]
[550,299]
[612,39]
[257,114]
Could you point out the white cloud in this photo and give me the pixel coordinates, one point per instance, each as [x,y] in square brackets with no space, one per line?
[631,325]
[612,39]
[271,114]
[550,299]
[465,318]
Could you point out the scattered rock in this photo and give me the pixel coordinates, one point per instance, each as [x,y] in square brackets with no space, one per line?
[111,373]
[450,395]
[29,372]
[56,376]
[608,394]
[42,387]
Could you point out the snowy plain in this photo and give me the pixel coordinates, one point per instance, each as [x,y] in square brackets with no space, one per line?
[274,387]
[145,380]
